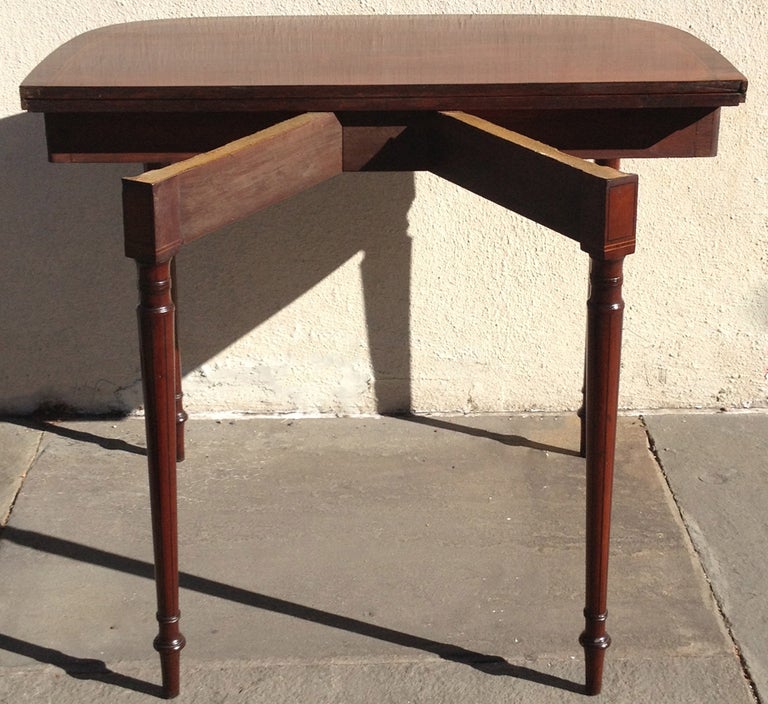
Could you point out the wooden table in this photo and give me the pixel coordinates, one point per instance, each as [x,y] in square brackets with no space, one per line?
[234,114]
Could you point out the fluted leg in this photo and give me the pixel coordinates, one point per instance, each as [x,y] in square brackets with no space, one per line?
[159,374]
[604,318]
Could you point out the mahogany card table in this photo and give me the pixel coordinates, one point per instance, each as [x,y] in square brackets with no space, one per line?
[234,114]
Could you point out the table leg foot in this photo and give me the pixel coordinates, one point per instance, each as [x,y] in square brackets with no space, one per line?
[595,642]
[170,656]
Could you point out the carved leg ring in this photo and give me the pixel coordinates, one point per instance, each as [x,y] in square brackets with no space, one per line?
[604,318]
[158,364]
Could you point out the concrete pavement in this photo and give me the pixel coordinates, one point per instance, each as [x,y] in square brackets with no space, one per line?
[717,467]
[365,560]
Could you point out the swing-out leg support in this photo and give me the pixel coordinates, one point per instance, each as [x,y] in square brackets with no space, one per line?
[164,209]
[169,207]
[595,205]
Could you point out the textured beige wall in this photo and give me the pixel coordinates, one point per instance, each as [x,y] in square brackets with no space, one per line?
[305,306]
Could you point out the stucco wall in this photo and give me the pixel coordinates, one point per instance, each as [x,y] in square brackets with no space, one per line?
[305,307]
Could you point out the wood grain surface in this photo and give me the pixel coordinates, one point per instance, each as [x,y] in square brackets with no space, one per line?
[172,206]
[382,62]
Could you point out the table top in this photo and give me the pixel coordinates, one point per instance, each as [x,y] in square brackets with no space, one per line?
[390,62]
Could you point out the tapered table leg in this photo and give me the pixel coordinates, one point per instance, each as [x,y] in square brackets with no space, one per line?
[604,319]
[158,364]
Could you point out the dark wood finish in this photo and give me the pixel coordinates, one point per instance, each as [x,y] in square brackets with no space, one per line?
[171,136]
[182,202]
[168,89]
[164,208]
[582,412]
[158,362]
[397,62]
[605,310]
[605,134]
[176,90]
[181,414]
[136,137]
[592,204]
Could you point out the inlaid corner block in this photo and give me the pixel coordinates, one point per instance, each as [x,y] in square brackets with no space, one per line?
[297,100]
[169,207]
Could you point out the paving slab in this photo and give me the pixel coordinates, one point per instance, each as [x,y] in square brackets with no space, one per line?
[429,560]
[717,467]
[18,446]
[674,681]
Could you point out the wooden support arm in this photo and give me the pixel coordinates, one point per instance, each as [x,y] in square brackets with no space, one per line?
[177,204]
[594,205]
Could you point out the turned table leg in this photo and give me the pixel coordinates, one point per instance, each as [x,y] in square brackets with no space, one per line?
[159,373]
[604,318]
[596,205]
[225,184]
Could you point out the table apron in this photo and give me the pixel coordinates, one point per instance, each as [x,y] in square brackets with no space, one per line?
[140,137]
